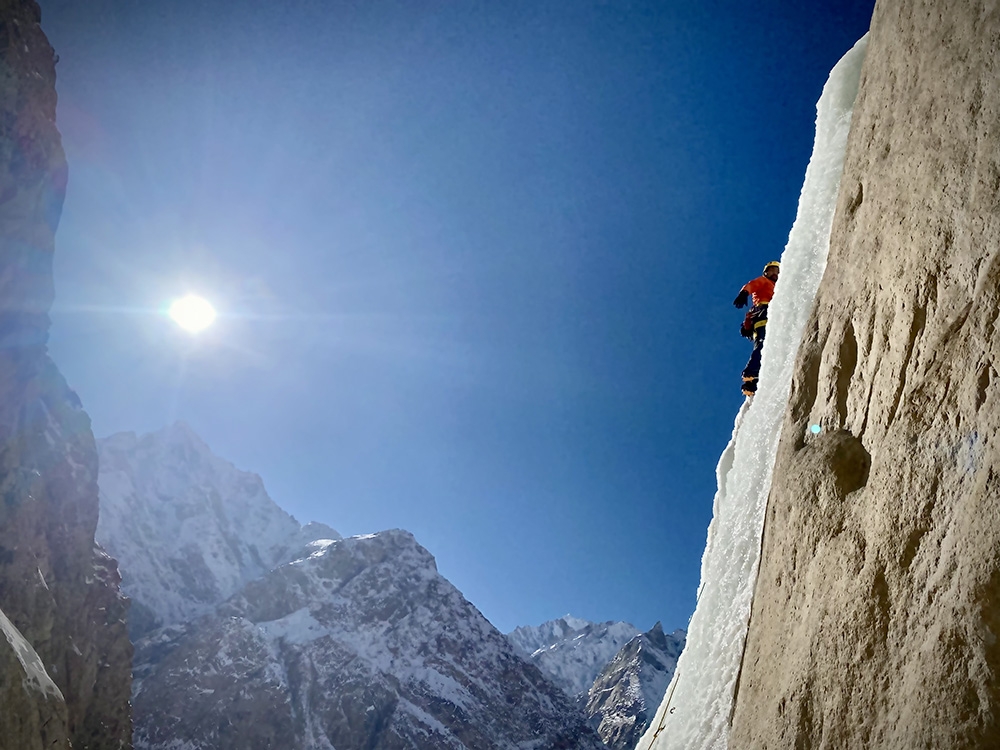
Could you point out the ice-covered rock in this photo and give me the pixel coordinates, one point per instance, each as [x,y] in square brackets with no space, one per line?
[877,610]
[698,708]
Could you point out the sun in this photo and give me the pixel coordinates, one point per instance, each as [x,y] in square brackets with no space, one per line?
[192,313]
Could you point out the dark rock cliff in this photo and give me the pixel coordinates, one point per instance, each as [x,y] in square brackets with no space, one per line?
[876,616]
[68,679]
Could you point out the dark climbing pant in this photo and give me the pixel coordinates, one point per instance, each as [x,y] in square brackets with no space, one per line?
[752,371]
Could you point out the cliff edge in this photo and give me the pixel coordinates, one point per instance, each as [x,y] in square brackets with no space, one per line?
[65,656]
[876,615]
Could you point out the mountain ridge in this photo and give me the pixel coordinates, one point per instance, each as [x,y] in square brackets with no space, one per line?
[359,644]
[188,527]
[356,642]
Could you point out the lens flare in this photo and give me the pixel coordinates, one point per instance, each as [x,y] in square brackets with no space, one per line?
[192,313]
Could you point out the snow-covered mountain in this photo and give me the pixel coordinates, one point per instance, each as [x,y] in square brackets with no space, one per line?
[573,651]
[627,692]
[281,636]
[531,638]
[187,527]
[361,644]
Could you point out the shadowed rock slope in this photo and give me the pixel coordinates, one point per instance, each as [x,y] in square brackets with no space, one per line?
[65,655]
[877,610]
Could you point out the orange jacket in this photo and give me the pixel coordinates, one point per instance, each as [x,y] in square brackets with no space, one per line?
[761,289]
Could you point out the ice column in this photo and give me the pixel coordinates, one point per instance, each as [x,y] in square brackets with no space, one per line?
[696,710]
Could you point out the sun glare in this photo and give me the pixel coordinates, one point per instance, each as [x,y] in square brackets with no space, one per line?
[192,313]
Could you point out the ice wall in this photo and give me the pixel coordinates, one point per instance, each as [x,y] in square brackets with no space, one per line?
[696,710]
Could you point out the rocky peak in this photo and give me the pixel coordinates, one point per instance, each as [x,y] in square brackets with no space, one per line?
[656,637]
[188,527]
[572,651]
[65,654]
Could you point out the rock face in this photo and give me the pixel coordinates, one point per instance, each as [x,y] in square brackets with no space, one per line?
[361,644]
[624,697]
[572,651]
[187,527]
[65,658]
[876,616]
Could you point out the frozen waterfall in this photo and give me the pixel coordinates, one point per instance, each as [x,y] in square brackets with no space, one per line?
[695,712]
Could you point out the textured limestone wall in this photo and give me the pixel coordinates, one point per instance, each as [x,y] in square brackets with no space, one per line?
[58,590]
[877,611]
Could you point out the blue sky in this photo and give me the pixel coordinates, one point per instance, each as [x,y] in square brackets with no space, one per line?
[474,262]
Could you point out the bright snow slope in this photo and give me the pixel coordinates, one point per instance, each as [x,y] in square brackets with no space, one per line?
[696,708]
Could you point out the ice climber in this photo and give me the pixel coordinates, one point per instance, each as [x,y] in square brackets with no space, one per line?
[760,290]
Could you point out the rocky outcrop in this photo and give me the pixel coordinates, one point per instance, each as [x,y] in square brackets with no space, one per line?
[876,617]
[65,658]
[624,696]
[188,528]
[362,644]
